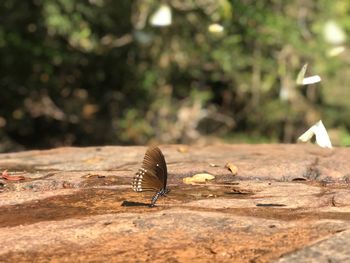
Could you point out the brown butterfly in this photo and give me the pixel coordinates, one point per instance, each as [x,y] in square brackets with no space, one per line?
[153,174]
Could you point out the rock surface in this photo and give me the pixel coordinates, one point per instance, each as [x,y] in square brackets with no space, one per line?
[287,203]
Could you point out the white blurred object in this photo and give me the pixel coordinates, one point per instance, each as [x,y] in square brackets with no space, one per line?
[143,37]
[162,16]
[284,93]
[302,80]
[336,51]
[322,138]
[215,28]
[333,33]
[311,80]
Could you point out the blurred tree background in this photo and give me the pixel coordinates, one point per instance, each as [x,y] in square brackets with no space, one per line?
[79,72]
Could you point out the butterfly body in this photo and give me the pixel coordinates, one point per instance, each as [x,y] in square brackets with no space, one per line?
[152,176]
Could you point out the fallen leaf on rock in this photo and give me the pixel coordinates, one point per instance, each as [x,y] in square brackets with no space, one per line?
[198,178]
[233,168]
[11,178]
[182,149]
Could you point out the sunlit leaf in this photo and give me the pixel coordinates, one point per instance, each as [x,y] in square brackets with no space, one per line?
[232,168]
[198,178]
[182,149]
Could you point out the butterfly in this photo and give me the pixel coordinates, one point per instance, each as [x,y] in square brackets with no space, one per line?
[302,80]
[153,174]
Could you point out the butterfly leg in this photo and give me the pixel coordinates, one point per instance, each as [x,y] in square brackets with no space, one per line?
[154,199]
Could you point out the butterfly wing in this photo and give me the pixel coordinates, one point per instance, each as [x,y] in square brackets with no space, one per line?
[152,176]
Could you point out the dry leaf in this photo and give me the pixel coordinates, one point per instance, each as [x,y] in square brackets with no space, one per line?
[198,178]
[12,178]
[322,138]
[233,168]
[182,149]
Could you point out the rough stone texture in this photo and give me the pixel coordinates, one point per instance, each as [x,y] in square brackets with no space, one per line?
[333,249]
[288,203]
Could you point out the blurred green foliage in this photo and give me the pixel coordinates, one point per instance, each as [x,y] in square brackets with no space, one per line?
[76,72]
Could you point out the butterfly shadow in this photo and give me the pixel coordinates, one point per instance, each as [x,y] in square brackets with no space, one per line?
[131,203]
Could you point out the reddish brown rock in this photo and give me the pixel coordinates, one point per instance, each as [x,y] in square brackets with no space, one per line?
[287,203]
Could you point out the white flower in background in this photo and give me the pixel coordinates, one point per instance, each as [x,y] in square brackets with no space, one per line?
[162,16]
[215,28]
[322,138]
[302,80]
[333,33]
